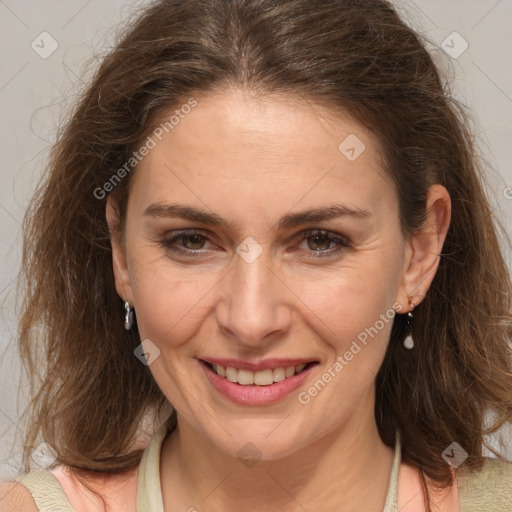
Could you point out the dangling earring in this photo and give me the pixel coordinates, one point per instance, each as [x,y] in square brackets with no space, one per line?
[128,316]
[408,341]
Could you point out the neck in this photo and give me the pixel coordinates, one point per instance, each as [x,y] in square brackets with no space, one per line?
[334,472]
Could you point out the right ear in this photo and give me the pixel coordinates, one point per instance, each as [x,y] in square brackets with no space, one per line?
[119,265]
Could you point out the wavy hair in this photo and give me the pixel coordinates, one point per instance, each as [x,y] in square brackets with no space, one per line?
[354,55]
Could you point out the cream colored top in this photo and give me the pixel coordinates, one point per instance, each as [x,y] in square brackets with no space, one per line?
[489,491]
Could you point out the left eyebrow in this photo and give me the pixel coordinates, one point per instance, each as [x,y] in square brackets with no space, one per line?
[288,221]
[291,220]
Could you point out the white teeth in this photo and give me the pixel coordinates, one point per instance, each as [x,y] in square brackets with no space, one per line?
[264,377]
[260,378]
[231,374]
[290,371]
[279,374]
[245,377]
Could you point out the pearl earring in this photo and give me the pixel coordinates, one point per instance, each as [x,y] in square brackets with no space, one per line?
[408,341]
[128,316]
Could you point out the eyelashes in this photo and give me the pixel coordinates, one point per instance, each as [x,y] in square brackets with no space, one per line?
[343,244]
[167,243]
[198,238]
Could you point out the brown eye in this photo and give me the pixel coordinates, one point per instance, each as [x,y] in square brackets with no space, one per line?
[196,241]
[187,243]
[319,242]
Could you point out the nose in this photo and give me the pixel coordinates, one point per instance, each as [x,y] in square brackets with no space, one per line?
[255,305]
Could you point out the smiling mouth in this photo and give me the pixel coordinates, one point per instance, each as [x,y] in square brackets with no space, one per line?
[261,378]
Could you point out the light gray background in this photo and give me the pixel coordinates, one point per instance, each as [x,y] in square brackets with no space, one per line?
[35,92]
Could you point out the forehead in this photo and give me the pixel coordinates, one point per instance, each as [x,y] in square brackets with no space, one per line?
[269,154]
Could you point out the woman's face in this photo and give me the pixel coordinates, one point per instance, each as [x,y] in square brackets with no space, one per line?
[296,257]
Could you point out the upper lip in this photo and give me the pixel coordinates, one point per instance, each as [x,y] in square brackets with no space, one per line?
[263,364]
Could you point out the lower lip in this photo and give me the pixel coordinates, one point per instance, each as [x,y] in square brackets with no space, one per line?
[252,394]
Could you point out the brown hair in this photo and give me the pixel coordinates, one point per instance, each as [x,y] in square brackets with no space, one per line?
[355,55]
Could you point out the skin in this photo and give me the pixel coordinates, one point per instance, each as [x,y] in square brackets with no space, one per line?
[251,162]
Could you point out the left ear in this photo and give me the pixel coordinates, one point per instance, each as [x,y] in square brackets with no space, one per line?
[425,248]
[119,262]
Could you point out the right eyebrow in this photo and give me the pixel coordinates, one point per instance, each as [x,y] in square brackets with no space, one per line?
[186,212]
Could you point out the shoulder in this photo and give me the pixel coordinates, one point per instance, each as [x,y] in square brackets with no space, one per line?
[35,491]
[494,471]
[116,491]
[14,497]
[488,489]
[61,489]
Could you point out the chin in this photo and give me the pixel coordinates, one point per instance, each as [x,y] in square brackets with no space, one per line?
[262,440]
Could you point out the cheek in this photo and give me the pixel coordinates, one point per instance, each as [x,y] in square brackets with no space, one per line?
[353,316]
[169,307]
[352,304]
